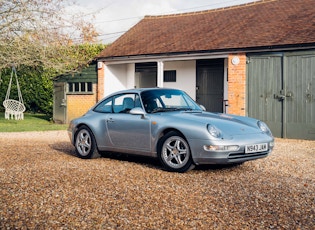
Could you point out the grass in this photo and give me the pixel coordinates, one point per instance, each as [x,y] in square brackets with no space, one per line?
[31,122]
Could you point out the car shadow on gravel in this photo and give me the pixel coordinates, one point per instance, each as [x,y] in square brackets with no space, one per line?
[64,147]
[68,149]
[149,162]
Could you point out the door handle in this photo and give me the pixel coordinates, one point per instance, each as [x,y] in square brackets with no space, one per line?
[280,97]
[289,94]
[309,97]
[110,120]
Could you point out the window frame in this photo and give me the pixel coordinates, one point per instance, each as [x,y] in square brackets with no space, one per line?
[169,76]
[118,107]
[76,88]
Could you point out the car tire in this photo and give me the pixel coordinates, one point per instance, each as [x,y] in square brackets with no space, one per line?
[174,153]
[85,145]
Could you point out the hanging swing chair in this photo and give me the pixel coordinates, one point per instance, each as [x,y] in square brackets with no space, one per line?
[13,108]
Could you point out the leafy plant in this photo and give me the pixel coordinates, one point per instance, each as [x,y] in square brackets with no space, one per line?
[36,82]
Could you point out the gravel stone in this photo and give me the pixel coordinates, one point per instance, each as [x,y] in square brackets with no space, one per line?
[43,185]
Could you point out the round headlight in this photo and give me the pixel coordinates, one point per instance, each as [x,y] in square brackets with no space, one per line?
[214,131]
[263,127]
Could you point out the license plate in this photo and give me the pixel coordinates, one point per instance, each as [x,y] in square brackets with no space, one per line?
[256,148]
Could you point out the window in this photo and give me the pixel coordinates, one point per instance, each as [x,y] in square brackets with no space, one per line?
[104,107]
[167,99]
[80,87]
[119,104]
[170,76]
[124,103]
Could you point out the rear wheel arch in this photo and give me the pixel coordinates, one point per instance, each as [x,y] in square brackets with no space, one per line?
[94,148]
[81,125]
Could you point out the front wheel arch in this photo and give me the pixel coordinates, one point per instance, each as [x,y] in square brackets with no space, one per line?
[165,132]
[174,152]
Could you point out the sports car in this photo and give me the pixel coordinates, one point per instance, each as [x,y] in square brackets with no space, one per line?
[169,125]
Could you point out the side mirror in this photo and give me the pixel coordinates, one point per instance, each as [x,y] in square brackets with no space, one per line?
[203,108]
[137,111]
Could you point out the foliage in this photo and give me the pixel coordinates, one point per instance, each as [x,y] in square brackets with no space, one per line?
[42,39]
[75,57]
[36,81]
[39,32]
[31,122]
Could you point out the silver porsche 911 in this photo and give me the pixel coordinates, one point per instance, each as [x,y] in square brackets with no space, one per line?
[168,124]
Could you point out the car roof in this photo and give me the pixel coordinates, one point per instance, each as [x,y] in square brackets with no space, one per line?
[138,90]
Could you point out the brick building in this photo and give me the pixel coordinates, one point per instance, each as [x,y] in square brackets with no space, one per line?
[75,93]
[255,59]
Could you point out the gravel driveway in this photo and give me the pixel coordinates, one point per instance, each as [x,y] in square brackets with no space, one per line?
[44,186]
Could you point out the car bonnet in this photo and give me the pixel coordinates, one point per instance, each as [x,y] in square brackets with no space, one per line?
[228,124]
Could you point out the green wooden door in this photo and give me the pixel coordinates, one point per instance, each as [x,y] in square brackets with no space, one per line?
[281,92]
[209,84]
[299,85]
[59,110]
[264,85]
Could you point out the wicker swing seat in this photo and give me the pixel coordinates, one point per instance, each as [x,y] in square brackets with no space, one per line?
[14,109]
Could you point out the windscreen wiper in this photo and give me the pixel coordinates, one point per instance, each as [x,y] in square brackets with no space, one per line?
[159,109]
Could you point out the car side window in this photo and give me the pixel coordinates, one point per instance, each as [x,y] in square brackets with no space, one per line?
[137,101]
[124,103]
[105,106]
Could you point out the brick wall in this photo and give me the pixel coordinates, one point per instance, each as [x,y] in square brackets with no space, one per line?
[100,79]
[237,85]
[78,104]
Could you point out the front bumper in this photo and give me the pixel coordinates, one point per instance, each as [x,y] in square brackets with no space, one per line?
[202,156]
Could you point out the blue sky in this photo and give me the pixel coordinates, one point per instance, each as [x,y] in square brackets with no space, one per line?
[114,17]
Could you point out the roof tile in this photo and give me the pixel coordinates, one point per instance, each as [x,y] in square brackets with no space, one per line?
[258,24]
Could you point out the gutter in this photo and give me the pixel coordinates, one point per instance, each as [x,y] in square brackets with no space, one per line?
[201,54]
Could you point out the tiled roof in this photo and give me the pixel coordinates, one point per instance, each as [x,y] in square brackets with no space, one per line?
[265,23]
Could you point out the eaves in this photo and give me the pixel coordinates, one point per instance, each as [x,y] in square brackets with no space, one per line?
[201,54]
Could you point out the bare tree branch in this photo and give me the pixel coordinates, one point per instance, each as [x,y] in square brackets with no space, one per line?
[38,32]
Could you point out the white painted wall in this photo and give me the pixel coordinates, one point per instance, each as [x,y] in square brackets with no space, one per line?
[118,77]
[115,78]
[185,76]
[123,76]
[131,76]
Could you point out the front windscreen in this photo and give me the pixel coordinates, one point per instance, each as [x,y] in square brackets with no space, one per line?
[161,100]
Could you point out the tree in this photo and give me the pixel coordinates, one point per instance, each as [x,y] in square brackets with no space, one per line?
[39,32]
[36,81]
[42,38]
